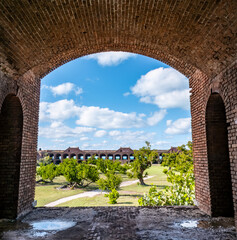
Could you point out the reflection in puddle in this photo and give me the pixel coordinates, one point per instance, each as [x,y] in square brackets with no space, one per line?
[209,224]
[189,224]
[42,228]
[53,225]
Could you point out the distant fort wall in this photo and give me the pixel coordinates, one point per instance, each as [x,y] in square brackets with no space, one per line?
[122,154]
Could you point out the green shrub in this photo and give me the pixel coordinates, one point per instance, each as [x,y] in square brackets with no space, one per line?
[111,182]
[180,175]
[48,172]
[76,174]
[113,196]
[180,193]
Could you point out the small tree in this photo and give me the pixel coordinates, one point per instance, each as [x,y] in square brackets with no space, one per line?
[45,160]
[113,196]
[143,160]
[48,172]
[180,175]
[111,182]
[81,175]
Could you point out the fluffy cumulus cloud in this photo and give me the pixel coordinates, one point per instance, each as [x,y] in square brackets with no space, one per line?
[110,58]
[100,133]
[165,87]
[57,130]
[179,126]
[92,116]
[64,89]
[156,117]
[63,109]
[107,119]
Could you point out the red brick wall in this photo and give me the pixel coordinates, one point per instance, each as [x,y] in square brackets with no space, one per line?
[27,89]
[226,85]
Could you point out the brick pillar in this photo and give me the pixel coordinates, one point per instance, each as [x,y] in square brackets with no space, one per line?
[224,84]
[27,90]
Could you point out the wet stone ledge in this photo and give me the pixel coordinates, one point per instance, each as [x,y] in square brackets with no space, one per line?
[106,223]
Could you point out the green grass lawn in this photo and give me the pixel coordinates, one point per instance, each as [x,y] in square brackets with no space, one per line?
[129,195]
[46,193]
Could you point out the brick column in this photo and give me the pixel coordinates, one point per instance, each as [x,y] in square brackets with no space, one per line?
[27,90]
[224,84]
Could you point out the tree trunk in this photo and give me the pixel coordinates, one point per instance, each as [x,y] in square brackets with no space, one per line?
[142,181]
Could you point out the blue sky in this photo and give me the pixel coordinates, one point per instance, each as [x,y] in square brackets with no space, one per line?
[114,99]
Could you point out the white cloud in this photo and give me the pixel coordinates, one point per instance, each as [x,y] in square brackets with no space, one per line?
[100,133]
[161,145]
[108,119]
[78,91]
[84,138]
[64,89]
[58,130]
[134,139]
[110,58]
[63,109]
[126,94]
[165,87]
[114,133]
[91,116]
[157,117]
[180,126]
[168,122]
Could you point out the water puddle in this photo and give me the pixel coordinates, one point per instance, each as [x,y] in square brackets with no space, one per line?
[45,227]
[209,224]
[189,224]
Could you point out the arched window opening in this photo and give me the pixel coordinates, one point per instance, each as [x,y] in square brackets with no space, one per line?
[125,157]
[11,125]
[117,157]
[73,155]
[102,156]
[218,158]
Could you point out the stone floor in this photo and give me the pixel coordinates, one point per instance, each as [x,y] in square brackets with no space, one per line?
[111,223]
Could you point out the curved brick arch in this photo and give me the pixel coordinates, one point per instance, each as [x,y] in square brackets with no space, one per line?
[43,35]
[68,56]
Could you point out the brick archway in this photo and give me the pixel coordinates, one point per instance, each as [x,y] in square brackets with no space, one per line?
[198,38]
[11,126]
[218,158]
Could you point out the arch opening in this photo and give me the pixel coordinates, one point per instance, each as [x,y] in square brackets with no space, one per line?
[218,158]
[11,126]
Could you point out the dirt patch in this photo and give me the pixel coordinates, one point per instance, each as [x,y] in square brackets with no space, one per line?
[130,223]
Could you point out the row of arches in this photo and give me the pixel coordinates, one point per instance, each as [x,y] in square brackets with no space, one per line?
[57,158]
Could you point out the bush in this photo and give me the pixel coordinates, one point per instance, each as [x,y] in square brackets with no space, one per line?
[113,196]
[180,175]
[82,174]
[44,161]
[180,193]
[48,172]
[111,182]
